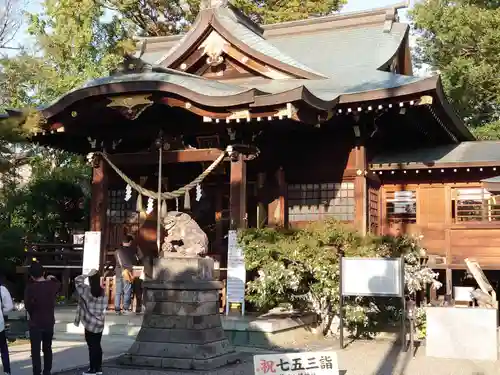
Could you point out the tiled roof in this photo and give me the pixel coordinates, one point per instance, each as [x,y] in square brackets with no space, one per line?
[466,152]
[343,51]
[255,41]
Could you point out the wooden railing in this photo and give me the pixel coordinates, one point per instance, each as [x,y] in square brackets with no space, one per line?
[54,255]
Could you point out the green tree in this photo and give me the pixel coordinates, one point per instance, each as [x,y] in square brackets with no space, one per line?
[55,199]
[160,18]
[461,41]
[71,45]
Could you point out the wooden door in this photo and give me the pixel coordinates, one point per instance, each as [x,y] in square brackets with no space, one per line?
[373,207]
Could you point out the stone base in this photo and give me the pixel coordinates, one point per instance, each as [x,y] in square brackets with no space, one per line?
[130,360]
[182,328]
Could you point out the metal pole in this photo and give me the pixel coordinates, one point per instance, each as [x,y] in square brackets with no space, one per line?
[403,302]
[341,304]
[158,206]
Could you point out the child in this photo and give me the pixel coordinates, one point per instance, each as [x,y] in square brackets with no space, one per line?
[6,306]
[91,311]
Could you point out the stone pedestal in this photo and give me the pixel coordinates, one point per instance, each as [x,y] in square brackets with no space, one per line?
[182,328]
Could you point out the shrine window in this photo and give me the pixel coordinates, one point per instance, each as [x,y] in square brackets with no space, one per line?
[401,206]
[313,202]
[475,205]
[120,210]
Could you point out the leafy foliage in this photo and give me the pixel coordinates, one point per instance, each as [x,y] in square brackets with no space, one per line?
[55,200]
[300,269]
[72,45]
[461,40]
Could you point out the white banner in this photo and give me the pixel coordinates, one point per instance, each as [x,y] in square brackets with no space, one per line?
[310,363]
[91,251]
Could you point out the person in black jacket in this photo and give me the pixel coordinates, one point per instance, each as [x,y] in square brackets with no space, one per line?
[126,258]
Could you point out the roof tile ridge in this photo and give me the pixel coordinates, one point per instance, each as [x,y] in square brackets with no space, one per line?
[339,16]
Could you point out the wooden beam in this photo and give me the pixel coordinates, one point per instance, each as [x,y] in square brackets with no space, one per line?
[431,165]
[99,202]
[360,189]
[238,194]
[278,208]
[180,156]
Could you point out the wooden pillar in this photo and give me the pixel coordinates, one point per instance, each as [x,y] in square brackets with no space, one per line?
[261,208]
[449,281]
[278,209]
[99,202]
[238,194]
[361,190]
[66,275]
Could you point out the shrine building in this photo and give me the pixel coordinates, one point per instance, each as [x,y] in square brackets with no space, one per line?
[280,125]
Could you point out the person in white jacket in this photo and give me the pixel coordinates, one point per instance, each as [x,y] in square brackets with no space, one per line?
[6,305]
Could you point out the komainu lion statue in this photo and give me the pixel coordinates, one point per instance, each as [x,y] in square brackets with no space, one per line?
[183,236]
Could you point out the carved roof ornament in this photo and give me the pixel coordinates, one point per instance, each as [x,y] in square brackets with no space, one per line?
[212,4]
[131,107]
[213,47]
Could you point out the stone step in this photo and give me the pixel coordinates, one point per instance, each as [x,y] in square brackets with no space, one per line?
[241,331]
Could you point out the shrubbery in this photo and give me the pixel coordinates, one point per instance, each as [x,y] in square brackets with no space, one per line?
[299,269]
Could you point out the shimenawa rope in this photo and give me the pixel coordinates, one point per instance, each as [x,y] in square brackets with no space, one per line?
[167,195]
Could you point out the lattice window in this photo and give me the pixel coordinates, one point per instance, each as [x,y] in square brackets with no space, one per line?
[312,202]
[401,206]
[373,209]
[120,211]
[475,205]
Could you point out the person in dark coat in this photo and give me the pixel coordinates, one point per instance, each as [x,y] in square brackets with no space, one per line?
[126,259]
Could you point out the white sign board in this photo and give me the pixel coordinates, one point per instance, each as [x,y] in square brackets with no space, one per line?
[236,272]
[311,363]
[462,333]
[91,251]
[462,293]
[372,277]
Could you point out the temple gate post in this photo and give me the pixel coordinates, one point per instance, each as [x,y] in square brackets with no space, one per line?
[238,192]
[99,203]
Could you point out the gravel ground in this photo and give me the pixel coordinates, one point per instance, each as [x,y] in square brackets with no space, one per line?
[359,358]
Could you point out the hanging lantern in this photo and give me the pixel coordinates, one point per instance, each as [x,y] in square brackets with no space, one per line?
[128,193]
[149,207]
[198,193]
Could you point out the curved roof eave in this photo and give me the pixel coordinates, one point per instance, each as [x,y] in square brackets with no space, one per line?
[419,86]
[296,94]
[244,96]
[307,94]
[452,115]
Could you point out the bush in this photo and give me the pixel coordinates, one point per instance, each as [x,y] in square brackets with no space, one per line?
[299,268]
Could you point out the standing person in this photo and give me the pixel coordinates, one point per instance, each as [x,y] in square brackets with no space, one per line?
[126,258]
[40,301]
[6,306]
[91,312]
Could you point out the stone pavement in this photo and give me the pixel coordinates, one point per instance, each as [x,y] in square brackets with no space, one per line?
[359,358]
[70,351]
